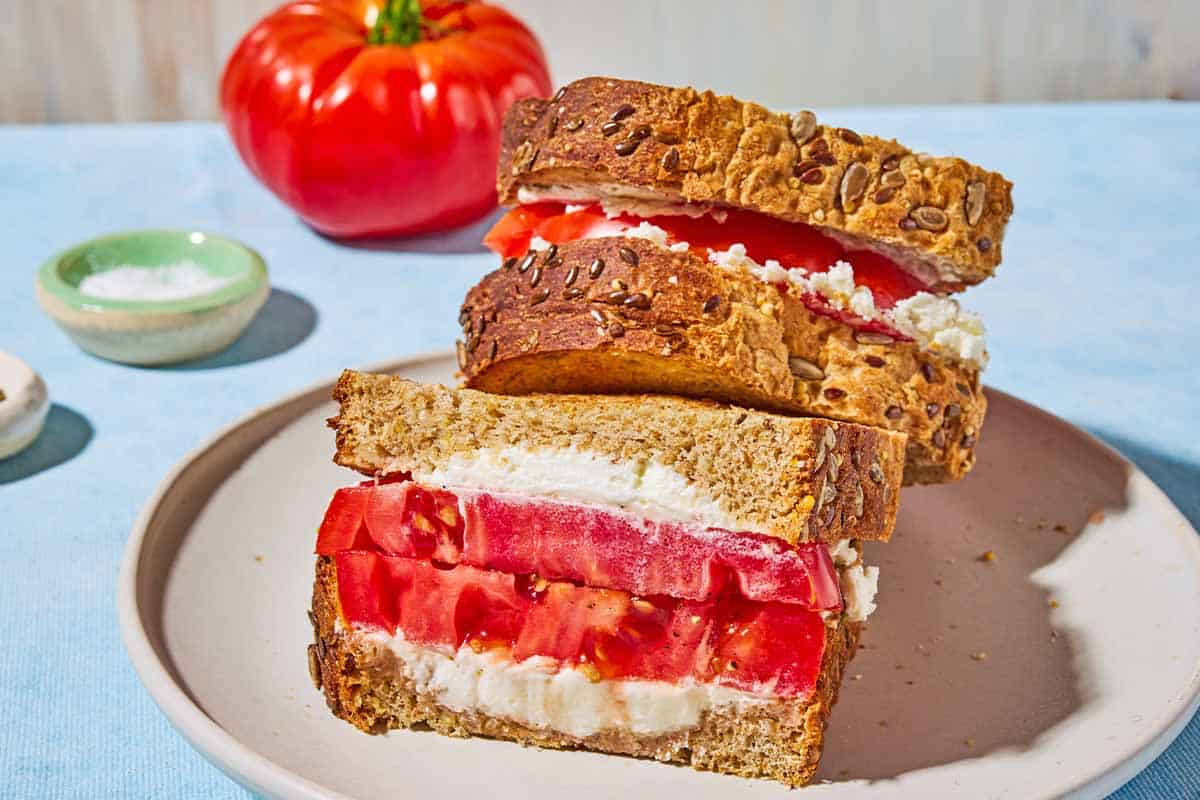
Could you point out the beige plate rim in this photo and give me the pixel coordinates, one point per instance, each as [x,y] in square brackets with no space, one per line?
[262,775]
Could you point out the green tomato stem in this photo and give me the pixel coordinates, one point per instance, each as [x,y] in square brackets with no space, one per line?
[399,22]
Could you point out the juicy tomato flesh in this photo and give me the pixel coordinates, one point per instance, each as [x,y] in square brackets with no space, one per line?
[792,244]
[583,544]
[605,633]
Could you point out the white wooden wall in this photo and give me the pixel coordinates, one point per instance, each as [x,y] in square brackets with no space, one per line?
[100,60]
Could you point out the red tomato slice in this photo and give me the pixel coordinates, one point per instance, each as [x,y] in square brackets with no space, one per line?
[366,591]
[584,544]
[561,616]
[408,519]
[747,652]
[342,528]
[607,633]
[510,235]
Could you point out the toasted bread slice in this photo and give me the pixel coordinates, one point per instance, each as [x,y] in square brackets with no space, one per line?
[799,479]
[368,686]
[708,332]
[942,219]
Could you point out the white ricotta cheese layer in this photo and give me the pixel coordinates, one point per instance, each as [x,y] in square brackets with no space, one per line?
[645,487]
[538,693]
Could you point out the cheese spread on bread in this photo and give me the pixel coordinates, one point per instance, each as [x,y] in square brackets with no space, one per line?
[645,487]
[537,692]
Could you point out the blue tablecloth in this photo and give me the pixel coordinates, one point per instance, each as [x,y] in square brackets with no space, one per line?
[1092,316]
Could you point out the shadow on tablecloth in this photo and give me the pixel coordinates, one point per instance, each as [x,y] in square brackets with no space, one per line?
[65,435]
[468,239]
[284,321]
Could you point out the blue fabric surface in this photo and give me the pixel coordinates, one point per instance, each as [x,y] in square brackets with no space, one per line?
[1093,316]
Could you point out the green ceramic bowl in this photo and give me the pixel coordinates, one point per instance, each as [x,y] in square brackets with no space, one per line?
[154,331]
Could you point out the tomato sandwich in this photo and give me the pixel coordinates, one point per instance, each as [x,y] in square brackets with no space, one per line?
[675,241]
[645,575]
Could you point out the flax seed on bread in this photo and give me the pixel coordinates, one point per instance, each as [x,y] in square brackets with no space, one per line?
[941,218]
[708,332]
[800,479]
[366,686]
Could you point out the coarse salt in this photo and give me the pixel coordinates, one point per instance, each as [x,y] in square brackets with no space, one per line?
[176,281]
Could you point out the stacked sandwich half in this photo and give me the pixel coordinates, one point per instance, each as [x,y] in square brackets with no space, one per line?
[720,340]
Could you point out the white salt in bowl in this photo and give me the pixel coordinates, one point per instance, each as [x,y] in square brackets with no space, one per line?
[154,297]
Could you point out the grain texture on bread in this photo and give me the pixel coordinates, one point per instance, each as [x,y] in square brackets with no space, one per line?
[799,479]
[366,686]
[942,218]
[714,333]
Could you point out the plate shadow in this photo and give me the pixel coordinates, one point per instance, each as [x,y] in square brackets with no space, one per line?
[66,434]
[1178,479]
[284,321]
[962,658]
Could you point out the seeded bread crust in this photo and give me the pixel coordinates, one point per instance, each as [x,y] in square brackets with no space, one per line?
[943,218]
[366,686]
[798,479]
[708,332]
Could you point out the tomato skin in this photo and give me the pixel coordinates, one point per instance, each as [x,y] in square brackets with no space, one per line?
[378,140]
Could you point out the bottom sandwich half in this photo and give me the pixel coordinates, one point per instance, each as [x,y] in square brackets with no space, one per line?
[379,681]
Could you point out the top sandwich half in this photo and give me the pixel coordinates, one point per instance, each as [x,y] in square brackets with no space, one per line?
[674,241]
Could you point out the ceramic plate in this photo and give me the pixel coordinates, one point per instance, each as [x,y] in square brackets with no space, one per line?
[1049,671]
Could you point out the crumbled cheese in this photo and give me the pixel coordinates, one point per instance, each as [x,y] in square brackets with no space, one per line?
[859,585]
[836,284]
[937,324]
[862,303]
[842,552]
[735,259]
[176,281]
[539,244]
[679,247]
[649,232]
